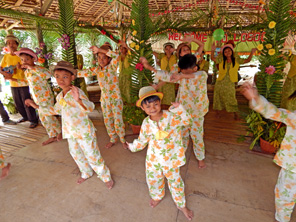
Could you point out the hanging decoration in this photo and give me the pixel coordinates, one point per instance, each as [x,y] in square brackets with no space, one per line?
[218,34]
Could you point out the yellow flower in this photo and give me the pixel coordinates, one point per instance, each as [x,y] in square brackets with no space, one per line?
[272,24]
[129,52]
[141,41]
[261,2]
[132,45]
[268,46]
[137,47]
[260,47]
[133,22]
[271,52]
[134,33]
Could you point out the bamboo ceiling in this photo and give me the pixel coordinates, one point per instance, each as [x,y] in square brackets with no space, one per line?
[101,12]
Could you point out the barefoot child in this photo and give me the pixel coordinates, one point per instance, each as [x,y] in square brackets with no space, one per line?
[37,77]
[4,166]
[192,94]
[285,189]
[73,105]
[166,153]
[111,101]
[19,85]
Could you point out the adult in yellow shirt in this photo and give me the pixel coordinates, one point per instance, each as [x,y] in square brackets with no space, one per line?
[19,85]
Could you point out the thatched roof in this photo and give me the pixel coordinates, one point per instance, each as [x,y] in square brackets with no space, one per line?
[105,13]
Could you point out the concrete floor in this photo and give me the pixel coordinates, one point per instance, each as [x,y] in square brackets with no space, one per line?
[236,186]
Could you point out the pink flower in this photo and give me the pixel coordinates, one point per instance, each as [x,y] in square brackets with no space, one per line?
[5,50]
[140,66]
[270,70]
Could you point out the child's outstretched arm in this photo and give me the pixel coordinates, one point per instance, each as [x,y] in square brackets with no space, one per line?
[198,42]
[143,140]
[146,65]
[212,52]
[85,104]
[267,109]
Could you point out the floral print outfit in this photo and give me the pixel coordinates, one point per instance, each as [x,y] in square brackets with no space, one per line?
[165,154]
[43,97]
[111,101]
[192,94]
[285,189]
[80,132]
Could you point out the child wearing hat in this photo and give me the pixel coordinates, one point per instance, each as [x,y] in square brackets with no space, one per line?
[37,77]
[192,94]
[228,64]
[19,85]
[111,102]
[167,60]
[73,105]
[162,132]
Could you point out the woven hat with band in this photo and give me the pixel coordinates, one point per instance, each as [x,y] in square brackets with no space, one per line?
[28,52]
[180,46]
[168,43]
[11,37]
[67,66]
[146,92]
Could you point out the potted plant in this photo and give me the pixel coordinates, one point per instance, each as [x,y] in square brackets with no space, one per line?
[133,115]
[268,132]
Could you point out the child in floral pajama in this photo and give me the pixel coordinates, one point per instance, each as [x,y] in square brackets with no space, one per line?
[73,105]
[162,129]
[192,94]
[37,77]
[111,102]
[285,189]
[4,166]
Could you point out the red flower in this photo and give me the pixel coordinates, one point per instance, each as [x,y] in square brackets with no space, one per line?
[140,66]
[103,32]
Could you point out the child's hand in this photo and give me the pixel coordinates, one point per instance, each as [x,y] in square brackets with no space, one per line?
[249,92]
[75,93]
[213,46]
[18,66]
[155,86]
[253,51]
[175,77]
[25,66]
[144,61]
[95,49]
[176,104]
[126,145]
[187,39]
[30,102]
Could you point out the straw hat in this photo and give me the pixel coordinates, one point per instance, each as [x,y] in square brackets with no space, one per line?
[168,43]
[180,46]
[67,66]
[11,37]
[227,46]
[28,52]
[146,92]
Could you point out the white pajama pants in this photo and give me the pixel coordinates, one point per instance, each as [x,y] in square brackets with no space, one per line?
[88,158]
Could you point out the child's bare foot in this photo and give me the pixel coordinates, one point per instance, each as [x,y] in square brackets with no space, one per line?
[110,184]
[154,203]
[59,137]
[81,180]
[109,145]
[125,146]
[5,171]
[50,140]
[188,213]
[201,164]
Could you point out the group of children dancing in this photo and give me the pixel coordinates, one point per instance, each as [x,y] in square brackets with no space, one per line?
[166,132]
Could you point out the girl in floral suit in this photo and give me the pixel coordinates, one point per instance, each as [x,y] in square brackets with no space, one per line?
[111,102]
[285,189]
[162,130]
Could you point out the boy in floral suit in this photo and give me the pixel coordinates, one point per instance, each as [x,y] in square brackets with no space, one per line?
[162,129]
[192,94]
[285,189]
[111,102]
[37,77]
[4,166]
[73,105]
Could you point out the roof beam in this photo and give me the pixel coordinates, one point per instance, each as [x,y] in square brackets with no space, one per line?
[3,22]
[18,3]
[45,6]
[12,25]
[156,4]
